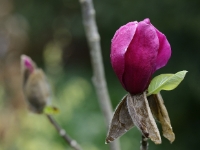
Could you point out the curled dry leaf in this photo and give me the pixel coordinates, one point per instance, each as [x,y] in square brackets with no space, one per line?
[160,113]
[136,110]
[121,122]
[132,111]
[142,117]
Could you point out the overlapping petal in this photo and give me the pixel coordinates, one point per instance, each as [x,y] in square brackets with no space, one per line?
[119,46]
[140,58]
[164,51]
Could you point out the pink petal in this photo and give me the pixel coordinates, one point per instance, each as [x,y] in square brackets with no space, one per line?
[164,51]
[119,45]
[140,58]
[27,63]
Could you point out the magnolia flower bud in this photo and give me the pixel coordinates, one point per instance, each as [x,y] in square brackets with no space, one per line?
[35,86]
[138,49]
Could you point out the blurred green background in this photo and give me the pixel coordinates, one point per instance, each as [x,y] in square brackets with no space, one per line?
[52,34]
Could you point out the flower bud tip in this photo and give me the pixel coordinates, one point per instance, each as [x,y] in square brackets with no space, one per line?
[27,63]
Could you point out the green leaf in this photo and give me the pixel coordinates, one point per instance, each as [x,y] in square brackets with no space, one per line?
[165,82]
[50,110]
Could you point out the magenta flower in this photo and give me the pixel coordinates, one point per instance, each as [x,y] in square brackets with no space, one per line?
[138,49]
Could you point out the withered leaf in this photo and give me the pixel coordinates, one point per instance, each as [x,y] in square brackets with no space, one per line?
[142,117]
[121,122]
[160,113]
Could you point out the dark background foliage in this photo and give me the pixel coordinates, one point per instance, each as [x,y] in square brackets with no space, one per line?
[53,35]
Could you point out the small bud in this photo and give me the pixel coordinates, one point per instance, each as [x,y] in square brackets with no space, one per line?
[35,86]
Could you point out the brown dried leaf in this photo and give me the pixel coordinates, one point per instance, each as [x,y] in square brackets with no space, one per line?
[121,122]
[142,117]
[159,111]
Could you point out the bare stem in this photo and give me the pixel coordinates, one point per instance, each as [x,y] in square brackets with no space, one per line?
[99,81]
[144,143]
[73,144]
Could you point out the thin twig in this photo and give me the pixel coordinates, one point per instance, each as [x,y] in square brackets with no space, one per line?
[144,143]
[63,134]
[99,81]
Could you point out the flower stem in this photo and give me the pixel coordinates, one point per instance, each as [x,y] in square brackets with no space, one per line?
[72,143]
[144,143]
[93,38]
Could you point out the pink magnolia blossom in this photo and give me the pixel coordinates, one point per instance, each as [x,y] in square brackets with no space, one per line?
[138,49]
